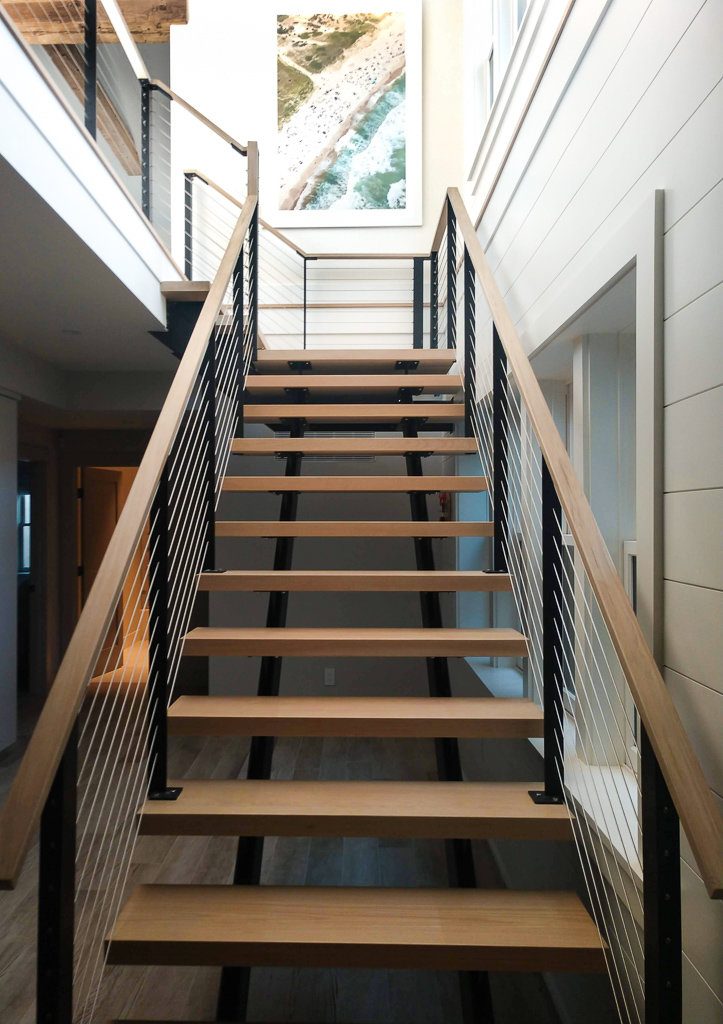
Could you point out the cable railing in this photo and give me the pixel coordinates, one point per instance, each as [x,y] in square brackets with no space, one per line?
[99,747]
[614,747]
[147,133]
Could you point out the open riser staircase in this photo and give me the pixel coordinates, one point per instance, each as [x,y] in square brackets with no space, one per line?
[133,684]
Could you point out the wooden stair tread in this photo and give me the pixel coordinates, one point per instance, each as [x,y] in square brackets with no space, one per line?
[437,383]
[353,484]
[357,580]
[356,528]
[185,291]
[351,412]
[353,445]
[432,810]
[328,926]
[419,717]
[367,360]
[310,642]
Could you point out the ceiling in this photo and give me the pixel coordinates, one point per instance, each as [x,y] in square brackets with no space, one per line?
[612,313]
[59,301]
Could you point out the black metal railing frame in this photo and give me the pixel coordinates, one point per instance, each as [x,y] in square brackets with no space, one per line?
[57,867]
[660,827]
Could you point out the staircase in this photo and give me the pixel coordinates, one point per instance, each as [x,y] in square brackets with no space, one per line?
[94,772]
[243,925]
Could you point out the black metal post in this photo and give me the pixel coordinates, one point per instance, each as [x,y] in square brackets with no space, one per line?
[661,893]
[56,893]
[552,675]
[470,349]
[451,277]
[434,300]
[305,296]
[90,63]
[158,788]
[418,303]
[254,283]
[210,560]
[146,146]
[500,454]
[188,227]
[240,327]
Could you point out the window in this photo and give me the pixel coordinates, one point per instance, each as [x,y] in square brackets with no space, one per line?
[520,11]
[23,532]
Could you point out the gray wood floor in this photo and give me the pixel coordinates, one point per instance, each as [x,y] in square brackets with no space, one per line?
[278,994]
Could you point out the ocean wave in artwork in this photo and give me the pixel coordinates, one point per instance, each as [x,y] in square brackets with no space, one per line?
[367,170]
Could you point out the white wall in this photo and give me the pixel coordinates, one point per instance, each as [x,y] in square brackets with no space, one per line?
[223,61]
[632,100]
[8,568]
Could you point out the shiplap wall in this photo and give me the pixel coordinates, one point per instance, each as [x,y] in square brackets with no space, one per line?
[631,101]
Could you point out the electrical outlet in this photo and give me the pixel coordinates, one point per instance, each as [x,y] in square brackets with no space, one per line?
[329,677]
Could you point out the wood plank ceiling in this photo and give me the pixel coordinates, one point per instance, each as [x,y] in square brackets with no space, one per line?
[52,22]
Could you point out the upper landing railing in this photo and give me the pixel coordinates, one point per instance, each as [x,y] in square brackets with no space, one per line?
[90,58]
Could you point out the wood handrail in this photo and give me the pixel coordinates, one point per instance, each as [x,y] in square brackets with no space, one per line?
[20,814]
[240,147]
[677,759]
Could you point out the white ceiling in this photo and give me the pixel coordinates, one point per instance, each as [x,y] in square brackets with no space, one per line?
[58,300]
[612,313]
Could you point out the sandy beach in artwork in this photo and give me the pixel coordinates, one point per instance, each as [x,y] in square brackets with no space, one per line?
[344,90]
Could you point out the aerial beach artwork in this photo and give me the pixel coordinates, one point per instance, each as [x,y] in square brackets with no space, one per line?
[346,122]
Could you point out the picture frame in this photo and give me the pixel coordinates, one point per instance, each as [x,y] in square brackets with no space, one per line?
[348,108]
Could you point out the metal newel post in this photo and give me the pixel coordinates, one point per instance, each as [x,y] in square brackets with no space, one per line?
[470,351]
[240,328]
[500,442]
[90,63]
[418,303]
[434,300]
[210,560]
[158,659]
[188,226]
[146,146]
[305,296]
[254,282]
[56,893]
[552,681]
[661,893]
[451,277]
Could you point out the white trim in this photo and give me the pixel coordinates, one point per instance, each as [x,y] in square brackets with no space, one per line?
[497,111]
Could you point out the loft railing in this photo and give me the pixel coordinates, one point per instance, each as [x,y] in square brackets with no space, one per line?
[144,129]
[99,747]
[306,296]
[615,749]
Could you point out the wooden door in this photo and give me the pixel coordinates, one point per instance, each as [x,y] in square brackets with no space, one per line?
[100,507]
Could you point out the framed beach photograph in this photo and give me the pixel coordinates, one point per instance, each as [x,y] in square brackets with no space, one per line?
[348,113]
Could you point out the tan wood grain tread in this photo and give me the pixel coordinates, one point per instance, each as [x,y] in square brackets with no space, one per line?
[365,528]
[349,412]
[329,926]
[354,484]
[347,642]
[318,580]
[380,717]
[431,810]
[341,383]
[185,291]
[359,360]
[353,445]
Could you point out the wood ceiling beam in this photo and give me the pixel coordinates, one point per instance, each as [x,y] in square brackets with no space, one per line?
[52,22]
